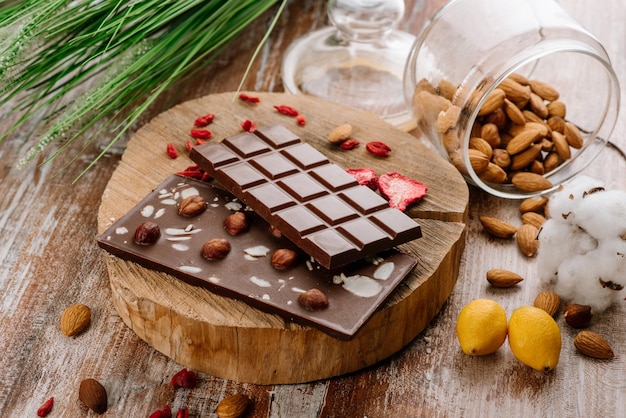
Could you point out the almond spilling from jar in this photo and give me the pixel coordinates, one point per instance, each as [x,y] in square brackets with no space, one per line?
[593,345]
[233,406]
[526,237]
[548,301]
[497,227]
[503,278]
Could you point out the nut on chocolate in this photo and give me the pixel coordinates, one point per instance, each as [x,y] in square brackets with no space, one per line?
[313,300]
[147,233]
[192,206]
[236,223]
[216,249]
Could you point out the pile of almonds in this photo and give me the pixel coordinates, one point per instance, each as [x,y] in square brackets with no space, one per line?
[520,134]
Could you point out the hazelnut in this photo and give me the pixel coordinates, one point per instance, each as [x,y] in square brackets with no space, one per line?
[236,223]
[577,316]
[215,249]
[192,206]
[313,300]
[147,233]
[94,395]
[283,258]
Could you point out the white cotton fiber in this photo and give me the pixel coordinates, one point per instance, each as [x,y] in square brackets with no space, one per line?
[583,244]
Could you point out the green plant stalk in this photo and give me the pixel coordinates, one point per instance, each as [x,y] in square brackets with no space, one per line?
[137,50]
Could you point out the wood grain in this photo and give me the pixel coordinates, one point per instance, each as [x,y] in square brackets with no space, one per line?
[49,260]
[229,339]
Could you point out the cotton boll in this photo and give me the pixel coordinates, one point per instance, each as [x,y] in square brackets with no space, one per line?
[563,204]
[578,282]
[557,242]
[603,214]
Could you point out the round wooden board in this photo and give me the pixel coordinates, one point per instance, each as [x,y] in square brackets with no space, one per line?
[227,338]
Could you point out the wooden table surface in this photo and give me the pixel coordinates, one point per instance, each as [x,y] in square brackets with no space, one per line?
[49,259]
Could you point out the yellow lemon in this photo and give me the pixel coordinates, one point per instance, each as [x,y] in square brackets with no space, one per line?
[535,338]
[481,327]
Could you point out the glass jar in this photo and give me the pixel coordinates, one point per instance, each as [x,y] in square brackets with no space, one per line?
[503,88]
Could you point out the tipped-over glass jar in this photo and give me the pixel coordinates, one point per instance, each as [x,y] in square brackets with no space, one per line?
[516,94]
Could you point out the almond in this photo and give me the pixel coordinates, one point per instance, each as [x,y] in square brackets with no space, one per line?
[531,182]
[481,145]
[561,146]
[538,106]
[489,132]
[503,278]
[493,174]
[548,301]
[94,395]
[533,218]
[448,119]
[593,345]
[525,158]
[340,133]
[515,92]
[526,238]
[446,89]
[75,319]
[233,406]
[501,158]
[533,204]
[478,160]
[557,109]
[523,140]
[497,227]
[577,316]
[494,101]
[513,112]
[573,135]
[551,161]
[544,90]
[556,123]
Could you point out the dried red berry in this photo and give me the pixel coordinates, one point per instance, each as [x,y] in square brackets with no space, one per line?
[286,110]
[45,408]
[301,120]
[188,145]
[379,149]
[171,151]
[248,98]
[200,141]
[401,191]
[201,133]
[193,171]
[248,125]
[182,413]
[185,379]
[165,412]
[349,144]
[364,176]
[203,121]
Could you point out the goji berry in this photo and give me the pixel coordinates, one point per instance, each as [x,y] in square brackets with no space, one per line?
[200,141]
[248,125]
[45,408]
[171,151]
[188,145]
[195,172]
[182,413]
[165,412]
[184,378]
[349,144]
[202,121]
[380,149]
[286,110]
[201,133]
[301,120]
[247,98]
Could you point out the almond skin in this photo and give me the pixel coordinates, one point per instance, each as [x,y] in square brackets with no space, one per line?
[340,133]
[233,406]
[503,278]
[527,241]
[75,319]
[548,301]
[497,227]
[533,218]
[593,345]
[577,316]
[531,182]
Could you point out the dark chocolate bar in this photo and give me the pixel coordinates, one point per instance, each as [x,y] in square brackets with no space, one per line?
[313,202]
[354,291]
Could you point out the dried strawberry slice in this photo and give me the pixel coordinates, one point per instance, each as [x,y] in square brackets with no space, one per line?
[364,176]
[401,191]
